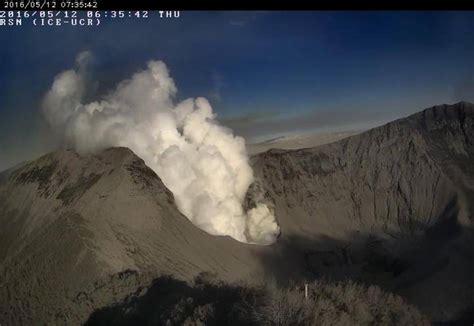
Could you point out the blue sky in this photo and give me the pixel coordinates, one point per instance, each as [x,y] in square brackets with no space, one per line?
[264,72]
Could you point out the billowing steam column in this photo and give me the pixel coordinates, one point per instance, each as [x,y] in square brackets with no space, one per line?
[202,163]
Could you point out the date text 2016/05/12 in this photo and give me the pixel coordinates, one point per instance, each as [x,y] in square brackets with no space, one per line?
[48,4]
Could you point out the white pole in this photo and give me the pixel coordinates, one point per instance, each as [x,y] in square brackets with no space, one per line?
[306,291]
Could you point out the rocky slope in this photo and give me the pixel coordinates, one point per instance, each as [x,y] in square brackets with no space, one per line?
[81,232]
[393,205]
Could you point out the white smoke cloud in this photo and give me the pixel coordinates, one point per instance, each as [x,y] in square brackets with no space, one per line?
[202,163]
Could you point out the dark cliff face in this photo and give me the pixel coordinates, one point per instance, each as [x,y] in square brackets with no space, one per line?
[398,200]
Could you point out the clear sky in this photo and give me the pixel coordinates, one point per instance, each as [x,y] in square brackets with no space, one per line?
[265,73]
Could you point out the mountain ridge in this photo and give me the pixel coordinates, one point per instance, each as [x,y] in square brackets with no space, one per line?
[390,206]
[82,219]
[384,193]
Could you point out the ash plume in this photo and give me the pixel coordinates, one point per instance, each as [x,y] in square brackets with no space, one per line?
[201,162]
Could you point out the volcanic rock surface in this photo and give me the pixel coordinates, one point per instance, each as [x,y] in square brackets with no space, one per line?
[80,232]
[392,206]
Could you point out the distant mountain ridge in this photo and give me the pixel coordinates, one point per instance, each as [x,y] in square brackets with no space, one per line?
[303,140]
